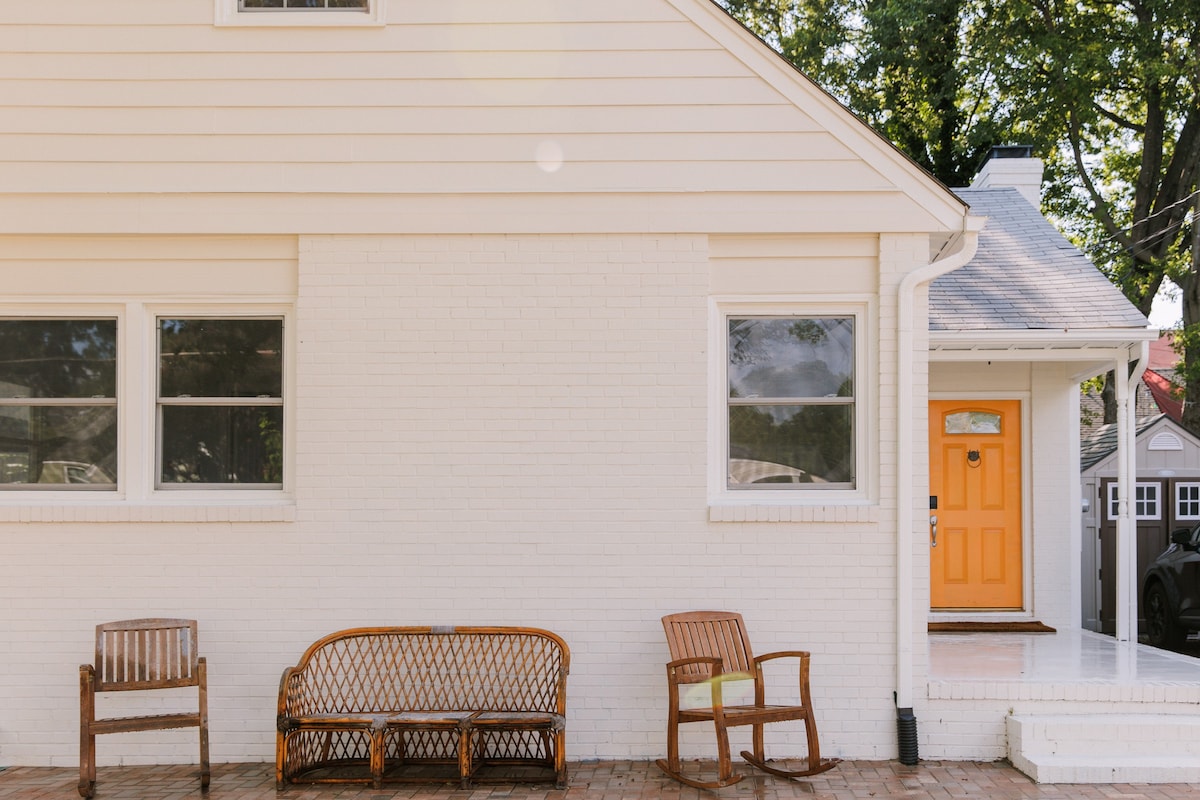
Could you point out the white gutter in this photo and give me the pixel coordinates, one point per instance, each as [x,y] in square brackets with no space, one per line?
[1127,573]
[906,338]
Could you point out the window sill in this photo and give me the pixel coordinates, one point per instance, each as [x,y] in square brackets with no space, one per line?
[793,512]
[275,511]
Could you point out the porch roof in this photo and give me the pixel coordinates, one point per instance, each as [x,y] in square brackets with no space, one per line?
[1028,280]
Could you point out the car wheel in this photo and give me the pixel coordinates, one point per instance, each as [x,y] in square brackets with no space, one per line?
[1161,628]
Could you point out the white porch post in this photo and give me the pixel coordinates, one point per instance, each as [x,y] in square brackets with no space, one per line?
[1127,577]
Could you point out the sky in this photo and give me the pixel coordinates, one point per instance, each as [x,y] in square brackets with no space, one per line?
[1168,307]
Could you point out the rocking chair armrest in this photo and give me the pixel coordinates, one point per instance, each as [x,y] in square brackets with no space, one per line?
[800,654]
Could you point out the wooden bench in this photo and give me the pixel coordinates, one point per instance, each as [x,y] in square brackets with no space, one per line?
[404,704]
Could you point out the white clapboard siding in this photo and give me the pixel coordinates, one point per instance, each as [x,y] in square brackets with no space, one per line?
[99,268]
[461,97]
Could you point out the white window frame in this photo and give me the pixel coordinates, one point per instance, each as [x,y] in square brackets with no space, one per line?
[161,402]
[227,14]
[137,397]
[1141,498]
[1194,486]
[148,366]
[861,310]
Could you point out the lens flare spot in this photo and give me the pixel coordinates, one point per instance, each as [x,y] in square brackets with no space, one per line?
[549,156]
[736,689]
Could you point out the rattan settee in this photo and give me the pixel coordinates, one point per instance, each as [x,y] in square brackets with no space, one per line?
[407,704]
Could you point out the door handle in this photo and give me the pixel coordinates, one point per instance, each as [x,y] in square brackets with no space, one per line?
[933,530]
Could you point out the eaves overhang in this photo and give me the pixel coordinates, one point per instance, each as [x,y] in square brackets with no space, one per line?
[1092,351]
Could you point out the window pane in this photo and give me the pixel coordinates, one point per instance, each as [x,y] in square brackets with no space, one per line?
[58,445]
[59,358]
[203,444]
[972,422]
[790,445]
[791,357]
[221,358]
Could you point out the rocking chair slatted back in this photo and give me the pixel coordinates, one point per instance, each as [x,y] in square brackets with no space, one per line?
[711,634]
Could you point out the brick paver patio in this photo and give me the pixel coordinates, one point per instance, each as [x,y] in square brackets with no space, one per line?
[605,780]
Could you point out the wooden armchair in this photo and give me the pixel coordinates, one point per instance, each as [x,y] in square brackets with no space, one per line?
[140,654]
[711,647]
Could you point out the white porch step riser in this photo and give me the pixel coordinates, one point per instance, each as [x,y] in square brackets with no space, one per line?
[1106,748]
[1157,770]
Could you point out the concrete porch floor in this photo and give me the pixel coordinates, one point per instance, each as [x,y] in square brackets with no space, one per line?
[605,780]
[1064,657]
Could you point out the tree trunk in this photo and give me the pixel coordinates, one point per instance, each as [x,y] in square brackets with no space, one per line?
[1191,316]
[1108,395]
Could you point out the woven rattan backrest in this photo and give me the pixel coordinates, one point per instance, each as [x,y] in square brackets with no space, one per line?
[146,654]
[431,669]
[713,634]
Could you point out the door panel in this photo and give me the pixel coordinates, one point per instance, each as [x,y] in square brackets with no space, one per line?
[975,474]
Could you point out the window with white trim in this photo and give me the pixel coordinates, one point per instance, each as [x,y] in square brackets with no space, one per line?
[1146,501]
[303,5]
[792,410]
[220,402]
[58,403]
[1187,500]
[291,13]
[202,392]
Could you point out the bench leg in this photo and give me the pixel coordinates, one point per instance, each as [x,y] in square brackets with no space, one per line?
[466,765]
[378,743]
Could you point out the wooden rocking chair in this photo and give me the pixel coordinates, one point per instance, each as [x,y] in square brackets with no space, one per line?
[140,654]
[712,647]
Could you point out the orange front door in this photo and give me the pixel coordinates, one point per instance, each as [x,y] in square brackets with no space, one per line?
[975,482]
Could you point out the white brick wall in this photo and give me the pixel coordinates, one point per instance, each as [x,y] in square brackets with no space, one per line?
[490,429]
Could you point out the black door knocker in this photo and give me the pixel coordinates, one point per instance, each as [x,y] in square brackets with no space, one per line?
[972,458]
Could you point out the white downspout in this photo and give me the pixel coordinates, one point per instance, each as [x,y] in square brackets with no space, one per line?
[1127,577]
[906,336]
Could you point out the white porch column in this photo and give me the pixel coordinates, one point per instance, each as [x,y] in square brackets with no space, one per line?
[1127,576]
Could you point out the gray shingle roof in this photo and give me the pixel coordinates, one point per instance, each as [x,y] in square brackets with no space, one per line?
[1102,441]
[1025,276]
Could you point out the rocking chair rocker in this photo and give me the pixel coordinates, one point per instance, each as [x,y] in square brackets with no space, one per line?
[712,647]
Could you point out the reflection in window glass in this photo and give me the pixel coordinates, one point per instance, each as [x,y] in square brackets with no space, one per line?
[961,422]
[221,402]
[58,404]
[791,402]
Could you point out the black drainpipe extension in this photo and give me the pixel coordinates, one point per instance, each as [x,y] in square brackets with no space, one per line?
[906,733]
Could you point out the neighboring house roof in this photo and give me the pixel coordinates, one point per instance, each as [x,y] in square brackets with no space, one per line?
[1025,276]
[1156,392]
[1101,442]
[1163,391]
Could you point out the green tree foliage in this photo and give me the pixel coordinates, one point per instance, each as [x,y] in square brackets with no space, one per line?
[908,68]
[1107,92]
[1111,93]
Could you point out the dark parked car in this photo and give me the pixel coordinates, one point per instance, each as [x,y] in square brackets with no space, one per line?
[1171,597]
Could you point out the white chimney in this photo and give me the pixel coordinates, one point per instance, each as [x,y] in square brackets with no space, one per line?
[1013,167]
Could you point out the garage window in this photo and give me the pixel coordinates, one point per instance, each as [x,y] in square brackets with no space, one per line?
[1147,503]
